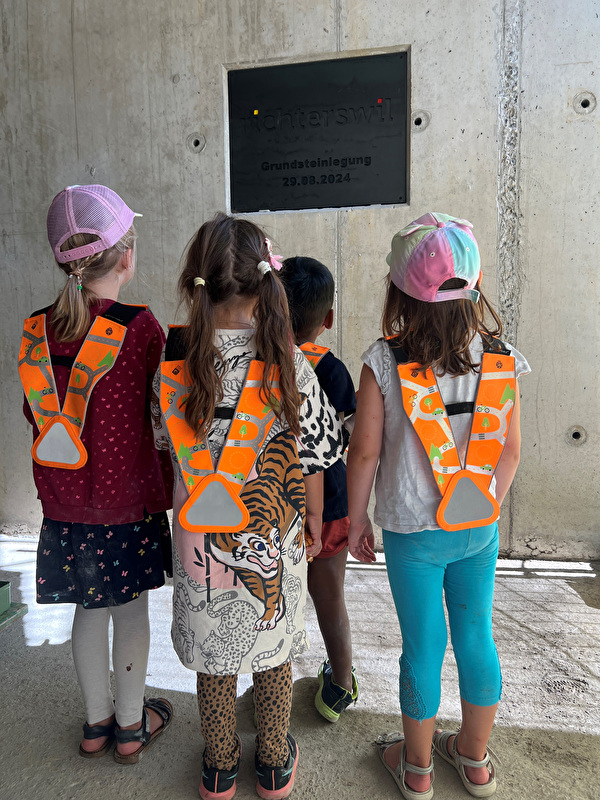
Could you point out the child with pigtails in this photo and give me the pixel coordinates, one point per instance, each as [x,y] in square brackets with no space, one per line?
[250,431]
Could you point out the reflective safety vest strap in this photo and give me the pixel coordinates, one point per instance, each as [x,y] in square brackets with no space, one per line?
[96,357]
[425,409]
[251,424]
[465,491]
[211,489]
[35,370]
[61,446]
[194,457]
[494,404]
[249,428]
[313,352]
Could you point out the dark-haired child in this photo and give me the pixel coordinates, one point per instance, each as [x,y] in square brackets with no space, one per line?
[310,289]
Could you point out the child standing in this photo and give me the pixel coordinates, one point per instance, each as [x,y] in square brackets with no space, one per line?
[250,431]
[310,289]
[86,364]
[434,409]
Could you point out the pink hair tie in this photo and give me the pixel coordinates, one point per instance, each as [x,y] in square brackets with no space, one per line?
[274,261]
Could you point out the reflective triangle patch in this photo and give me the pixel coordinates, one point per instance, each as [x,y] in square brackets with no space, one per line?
[214,507]
[466,505]
[59,445]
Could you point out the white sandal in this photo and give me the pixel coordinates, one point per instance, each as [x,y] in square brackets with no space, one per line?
[383,743]
[440,745]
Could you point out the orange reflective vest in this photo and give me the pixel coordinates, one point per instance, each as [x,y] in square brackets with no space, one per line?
[313,352]
[466,499]
[59,441]
[214,504]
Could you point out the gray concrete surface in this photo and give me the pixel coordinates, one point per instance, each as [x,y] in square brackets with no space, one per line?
[547,735]
[110,92]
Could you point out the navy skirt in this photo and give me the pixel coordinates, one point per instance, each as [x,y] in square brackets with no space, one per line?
[101,565]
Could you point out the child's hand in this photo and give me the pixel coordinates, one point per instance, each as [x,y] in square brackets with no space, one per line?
[361,541]
[312,536]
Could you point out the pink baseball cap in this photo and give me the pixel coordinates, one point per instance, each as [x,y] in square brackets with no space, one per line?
[91,209]
[431,250]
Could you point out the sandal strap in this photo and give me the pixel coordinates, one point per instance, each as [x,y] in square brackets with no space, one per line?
[162,709]
[97,731]
[141,735]
[462,761]
[468,762]
[404,765]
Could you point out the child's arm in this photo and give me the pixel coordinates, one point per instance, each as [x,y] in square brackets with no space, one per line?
[509,461]
[363,455]
[313,485]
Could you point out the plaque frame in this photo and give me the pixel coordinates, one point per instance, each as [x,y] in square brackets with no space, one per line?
[330,133]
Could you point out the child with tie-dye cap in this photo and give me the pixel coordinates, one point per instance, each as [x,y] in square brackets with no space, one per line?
[438,411]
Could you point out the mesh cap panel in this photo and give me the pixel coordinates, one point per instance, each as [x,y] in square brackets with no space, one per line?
[90,209]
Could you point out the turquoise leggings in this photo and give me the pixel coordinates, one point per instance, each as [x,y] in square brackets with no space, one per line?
[422,567]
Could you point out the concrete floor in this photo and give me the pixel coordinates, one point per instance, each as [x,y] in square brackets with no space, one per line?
[547,624]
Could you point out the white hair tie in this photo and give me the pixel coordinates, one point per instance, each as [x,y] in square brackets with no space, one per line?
[264,267]
[199,282]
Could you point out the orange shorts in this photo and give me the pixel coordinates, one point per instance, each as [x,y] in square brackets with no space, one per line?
[334,537]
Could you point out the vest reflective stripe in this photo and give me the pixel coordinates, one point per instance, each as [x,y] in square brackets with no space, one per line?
[249,428]
[466,499]
[313,352]
[60,429]
[425,409]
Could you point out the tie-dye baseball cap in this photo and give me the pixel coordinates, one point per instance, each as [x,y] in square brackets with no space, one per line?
[431,250]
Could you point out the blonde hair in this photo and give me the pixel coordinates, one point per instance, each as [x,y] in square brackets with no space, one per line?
[70,313]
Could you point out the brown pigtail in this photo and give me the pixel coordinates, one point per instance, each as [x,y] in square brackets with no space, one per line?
[223,257]
[274,340]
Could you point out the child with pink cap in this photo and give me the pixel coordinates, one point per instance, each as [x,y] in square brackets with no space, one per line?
[86,364]
[438,421]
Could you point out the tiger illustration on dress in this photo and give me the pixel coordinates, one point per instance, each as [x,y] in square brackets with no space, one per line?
[276,502]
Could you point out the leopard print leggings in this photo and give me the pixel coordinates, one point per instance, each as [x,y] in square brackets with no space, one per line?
[273,703]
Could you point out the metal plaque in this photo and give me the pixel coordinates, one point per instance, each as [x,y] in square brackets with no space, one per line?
[324,134]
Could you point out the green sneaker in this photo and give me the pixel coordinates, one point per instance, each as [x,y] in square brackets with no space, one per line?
[331,700]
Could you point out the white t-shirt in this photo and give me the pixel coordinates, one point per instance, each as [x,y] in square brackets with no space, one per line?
[406,495]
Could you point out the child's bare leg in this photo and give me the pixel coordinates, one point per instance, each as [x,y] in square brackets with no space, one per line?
[472,739]
[326,587]
[417,741]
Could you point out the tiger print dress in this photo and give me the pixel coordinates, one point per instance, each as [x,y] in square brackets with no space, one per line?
[239,598]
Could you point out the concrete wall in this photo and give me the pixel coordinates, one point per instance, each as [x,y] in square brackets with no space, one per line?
[110,93]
